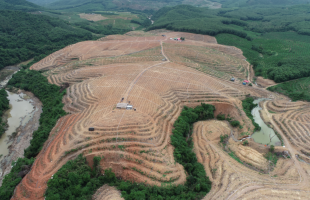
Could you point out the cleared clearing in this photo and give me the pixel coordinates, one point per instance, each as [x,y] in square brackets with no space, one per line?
[92,17]
[159,76]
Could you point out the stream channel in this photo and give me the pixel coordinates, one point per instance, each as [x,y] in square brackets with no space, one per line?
[19,114]
[266,135]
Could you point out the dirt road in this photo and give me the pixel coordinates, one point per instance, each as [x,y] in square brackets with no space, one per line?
[141,73]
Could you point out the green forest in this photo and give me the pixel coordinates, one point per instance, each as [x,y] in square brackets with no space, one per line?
[24,36]
[18,5]
[76,180]
[267,3]
[295,89]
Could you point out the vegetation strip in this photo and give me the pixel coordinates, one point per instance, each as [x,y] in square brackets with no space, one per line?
[76,180]
[248,106]
[4,105]
[51,98]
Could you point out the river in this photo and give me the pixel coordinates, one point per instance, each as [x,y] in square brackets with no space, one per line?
[22,119]
[266,135]
[20,112]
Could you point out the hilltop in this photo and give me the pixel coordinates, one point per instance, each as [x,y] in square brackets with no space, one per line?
[18,5]
[158,76]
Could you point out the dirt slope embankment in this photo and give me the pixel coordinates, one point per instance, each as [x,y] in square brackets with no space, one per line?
[158,76]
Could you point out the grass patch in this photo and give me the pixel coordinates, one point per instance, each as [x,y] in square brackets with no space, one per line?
[233,155]
[271,157]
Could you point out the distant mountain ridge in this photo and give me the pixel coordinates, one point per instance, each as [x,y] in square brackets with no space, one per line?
[120,5]
[93,5]
[22,5]
[245,3]
[42,2]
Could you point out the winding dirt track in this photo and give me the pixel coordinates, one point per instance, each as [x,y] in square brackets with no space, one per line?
[158,76]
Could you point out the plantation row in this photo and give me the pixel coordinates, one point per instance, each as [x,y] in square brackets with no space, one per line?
[76,180]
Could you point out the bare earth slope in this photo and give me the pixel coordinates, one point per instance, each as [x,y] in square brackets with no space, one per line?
[158,76]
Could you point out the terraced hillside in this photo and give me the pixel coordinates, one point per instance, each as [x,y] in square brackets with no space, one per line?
[158,76]
[292,118]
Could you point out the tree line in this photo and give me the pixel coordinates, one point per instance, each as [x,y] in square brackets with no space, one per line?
[51,98]
[248,106]
[4,105]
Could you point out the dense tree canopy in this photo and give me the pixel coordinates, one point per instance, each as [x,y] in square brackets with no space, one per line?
[22,5]
[296,89]
[24,36]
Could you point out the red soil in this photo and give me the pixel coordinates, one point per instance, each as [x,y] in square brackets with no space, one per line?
[157,81]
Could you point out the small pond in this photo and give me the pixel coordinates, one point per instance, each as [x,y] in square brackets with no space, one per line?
[266,135]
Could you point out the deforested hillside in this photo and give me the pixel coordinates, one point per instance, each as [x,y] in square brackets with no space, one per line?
[166,137]
[274,40]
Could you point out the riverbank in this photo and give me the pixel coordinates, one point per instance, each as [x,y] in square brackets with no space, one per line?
[20,138]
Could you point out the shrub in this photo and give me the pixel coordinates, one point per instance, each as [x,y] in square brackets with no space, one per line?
[14,177]
[220,117]
[271,157]
[223,138]
[235,123]
[245,143]
[248,105]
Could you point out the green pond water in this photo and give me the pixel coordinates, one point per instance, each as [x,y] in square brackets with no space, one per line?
[266,135]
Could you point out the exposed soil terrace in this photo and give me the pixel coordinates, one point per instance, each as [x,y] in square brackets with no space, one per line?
[158,76]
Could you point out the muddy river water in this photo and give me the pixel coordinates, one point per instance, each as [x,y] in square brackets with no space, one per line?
[20,112]
[266,135]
